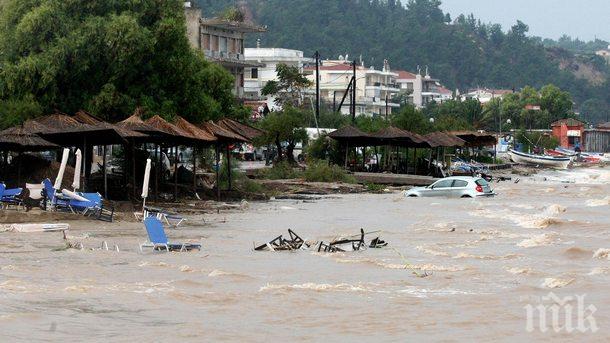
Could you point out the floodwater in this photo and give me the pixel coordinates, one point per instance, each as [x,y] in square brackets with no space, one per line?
[454,270]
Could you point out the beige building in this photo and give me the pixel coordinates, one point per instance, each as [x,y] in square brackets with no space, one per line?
[221,41]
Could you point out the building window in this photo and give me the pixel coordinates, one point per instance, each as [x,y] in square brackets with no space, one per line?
[254,73]
[206,42]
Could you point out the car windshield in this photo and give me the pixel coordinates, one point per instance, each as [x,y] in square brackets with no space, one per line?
[482,182]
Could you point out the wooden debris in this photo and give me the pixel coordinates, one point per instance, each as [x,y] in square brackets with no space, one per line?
[280,243]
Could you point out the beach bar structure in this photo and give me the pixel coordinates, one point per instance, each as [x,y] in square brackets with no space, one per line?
[396,139]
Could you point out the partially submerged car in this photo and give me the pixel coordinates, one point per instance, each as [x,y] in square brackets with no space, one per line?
[455,186]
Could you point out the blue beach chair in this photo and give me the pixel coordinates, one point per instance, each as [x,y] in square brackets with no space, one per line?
[10,197]
[93,207]
[158,238]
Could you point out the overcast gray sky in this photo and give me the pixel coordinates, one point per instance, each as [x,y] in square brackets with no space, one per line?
[585,19]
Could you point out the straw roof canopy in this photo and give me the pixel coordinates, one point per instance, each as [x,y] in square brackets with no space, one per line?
[241,129]
[135,123]
[89,119]
[222,134]
[475,139]
[65,130]
[444,139]
[20,138]
[174,134]
[194,131]
[353,136]
[395,136]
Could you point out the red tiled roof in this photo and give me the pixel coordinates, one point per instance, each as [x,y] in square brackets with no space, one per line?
[402,74]
[444,90]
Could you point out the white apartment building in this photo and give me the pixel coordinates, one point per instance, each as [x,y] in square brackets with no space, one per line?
[375,89]
[421,90]
[267,60]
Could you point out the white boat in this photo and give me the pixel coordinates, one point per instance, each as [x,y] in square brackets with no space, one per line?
[547,161]
[603,157]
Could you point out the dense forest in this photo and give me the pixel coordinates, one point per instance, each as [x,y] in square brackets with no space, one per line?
[463,52]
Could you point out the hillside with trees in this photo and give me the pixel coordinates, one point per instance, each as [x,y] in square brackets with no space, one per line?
[462,51]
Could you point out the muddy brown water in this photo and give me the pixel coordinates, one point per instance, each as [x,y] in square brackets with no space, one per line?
[484,259]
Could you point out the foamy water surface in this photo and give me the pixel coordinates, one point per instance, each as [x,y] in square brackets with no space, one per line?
[454,270]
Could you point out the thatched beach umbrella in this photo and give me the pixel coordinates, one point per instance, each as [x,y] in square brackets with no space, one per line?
[204,136]
[225,137]
[23,138]
[178,137]
[241,129]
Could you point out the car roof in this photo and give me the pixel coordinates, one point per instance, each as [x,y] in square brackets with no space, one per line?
[463,178]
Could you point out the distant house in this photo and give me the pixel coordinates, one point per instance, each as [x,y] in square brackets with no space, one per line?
[605,53]
[485,95]
[222,41]
[569,132]
[421,90]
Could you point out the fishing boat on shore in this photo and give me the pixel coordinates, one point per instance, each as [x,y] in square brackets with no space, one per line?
[542,160]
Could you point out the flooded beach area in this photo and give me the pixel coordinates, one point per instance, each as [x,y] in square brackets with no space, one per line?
[454,270]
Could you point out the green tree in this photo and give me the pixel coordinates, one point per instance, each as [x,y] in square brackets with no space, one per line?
[411,119]
[107,57]
[284,126]
[289,87]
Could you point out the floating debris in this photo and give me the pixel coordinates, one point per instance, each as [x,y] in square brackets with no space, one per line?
[334,246]
[377,243]
[280,243]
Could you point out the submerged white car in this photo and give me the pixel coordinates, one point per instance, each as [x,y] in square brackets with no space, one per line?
[455,186]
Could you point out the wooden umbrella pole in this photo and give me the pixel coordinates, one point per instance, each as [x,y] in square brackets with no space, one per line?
[415,161]
[195,169]
[346,153]
[229,166]
[19,169]
[105,173]
[157,155]
[133,169]
[84,166]
[176,173]
[217,148]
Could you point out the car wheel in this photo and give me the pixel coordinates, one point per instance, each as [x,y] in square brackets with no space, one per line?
[465,196]
[413,196]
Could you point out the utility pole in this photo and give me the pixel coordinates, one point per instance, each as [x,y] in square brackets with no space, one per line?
[317,55]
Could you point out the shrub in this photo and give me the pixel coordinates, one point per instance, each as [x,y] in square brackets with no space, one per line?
[321,171]
[280,171]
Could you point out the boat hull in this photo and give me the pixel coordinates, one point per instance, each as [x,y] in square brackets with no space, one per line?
[547,161]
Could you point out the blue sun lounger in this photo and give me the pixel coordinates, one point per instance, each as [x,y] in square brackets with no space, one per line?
[158,238]
[94,206]
[10,196]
